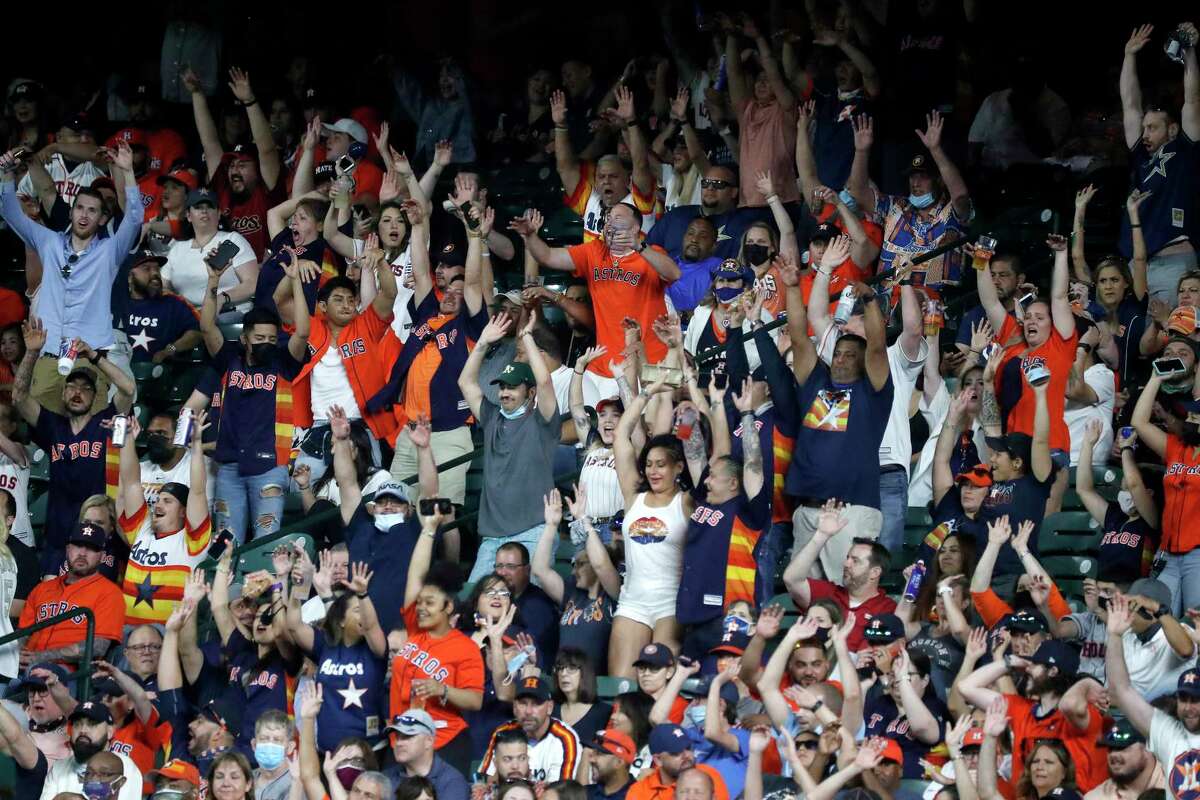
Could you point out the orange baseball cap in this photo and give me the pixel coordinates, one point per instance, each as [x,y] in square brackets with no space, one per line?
[177,770]
[892,751]
[616,743]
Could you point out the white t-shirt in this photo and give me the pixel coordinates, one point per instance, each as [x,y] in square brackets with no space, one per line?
[1003,139]
[187,275]
[896,446]
[676,184]
[15,479]
[1103,382]
[920,483]
[331,387]
[402,269]
[64,777]
[154,476]
[10,654]
[1154,667]
[67,182]
[1177,750]
[599,476]
[561,378]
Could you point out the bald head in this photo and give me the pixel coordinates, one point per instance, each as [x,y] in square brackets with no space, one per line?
[694,784]
[105,767]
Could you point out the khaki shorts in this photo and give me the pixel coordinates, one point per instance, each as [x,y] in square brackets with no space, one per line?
[446,445]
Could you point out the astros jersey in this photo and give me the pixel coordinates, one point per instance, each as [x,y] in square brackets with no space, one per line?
[585,202]
[1178,751]
[159,565]
[67,180]
[554,757]
[351,677]
[453,659]
[155,322]
[56,596]
[247,215]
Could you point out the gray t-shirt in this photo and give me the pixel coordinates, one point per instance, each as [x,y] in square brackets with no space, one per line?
[518,469]
[1094,635]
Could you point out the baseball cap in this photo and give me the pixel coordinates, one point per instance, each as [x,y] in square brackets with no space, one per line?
[978,475]
[413,722]
[1189,683]
[93,710]
[973,737]
[1120,734]
[107,687]
[731,270]
[732,642]
[77,121]
[146,254]
[669,738]
[82,372]
[1153,589]
[325,171]
[89,535]
[201,195]
[1183,321]
[615,743]
[919,163]
[31,681]
[515,373]
[226,714]
[1064,793]
[181,175]
[177,490]
[615,402]
[699,685]
[823,233]
[1053,653]
[454,256]
[244,152]
[1028,621]
[134,137]
[1017,445]
[892,751]
[884,629]
[393,489]
[25,90]
[353,128]
[513,296]
[177,770]
[655,655]
[534,686]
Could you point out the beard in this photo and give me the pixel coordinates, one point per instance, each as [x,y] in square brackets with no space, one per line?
[83,750]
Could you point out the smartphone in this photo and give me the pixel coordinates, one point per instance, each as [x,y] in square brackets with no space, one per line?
[223,256]
[720,379]
[219,543]
[1026,299]
[1169,367]
[444,505]
[346,164]
[470,221]
[426,505]
[654,373]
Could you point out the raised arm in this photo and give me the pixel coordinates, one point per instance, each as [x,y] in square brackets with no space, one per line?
[772,673]
[349,492]
[1141,256]
[565,160]
[598,557]
[1079,266]
[298,342]
[635,140]
[16,742]
[989,298]
[218,596]
[787,231]
[878,371]
[543,555]
[943,476]
[1040,450]
[1085,483]
[951,177]
[976,687]
[922,724]
[994,726]
[999,531]
[269,164]
[311,697]
[1136,708]
[1143,498]
[623,452]
[806,162]
[830,523]
[818,300]
[206,127]
[1153,436]
[736,80]
[468,379]
[661,710]
[1189,119]
[1130,88]
[779,84]
[752,456]
[579,415]
[133,496]
[34,333]
[1060,282]
[859,181]
[558,258]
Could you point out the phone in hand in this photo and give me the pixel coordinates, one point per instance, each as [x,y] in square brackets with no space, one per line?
[222,257]
[654,373]
[442,504]
[471,222]
[1169,367]
[346,165]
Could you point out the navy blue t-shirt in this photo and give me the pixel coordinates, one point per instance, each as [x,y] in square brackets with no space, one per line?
[585,623]
[950,512]
[838,422]
[351,677]
[833,139]
[251,405]
[972,316]
[257,685]
[882,718]
[539,616]
[271,272]
[1128,545]
[388,553]
[1021,499]
[668,232]
[29,782]
[1168,175]
[1132,316]
[155,322]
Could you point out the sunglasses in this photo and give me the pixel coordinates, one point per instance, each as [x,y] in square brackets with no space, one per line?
[67,267]
[807,744]
[714,183]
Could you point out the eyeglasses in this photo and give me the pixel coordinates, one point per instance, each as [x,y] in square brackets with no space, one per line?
[143,648]
[567,668]
[714,183]
[497,593]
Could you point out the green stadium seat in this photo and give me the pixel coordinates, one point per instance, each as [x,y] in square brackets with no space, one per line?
[917,516]
[253,558]
[1069,532]
[1063,568]
[39,465]
[1101,476]
[608,687]
[784,600]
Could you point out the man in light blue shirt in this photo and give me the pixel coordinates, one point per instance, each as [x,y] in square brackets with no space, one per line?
[78,269]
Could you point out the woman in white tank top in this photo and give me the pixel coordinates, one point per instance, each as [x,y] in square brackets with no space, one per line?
[654,530]
[598,472]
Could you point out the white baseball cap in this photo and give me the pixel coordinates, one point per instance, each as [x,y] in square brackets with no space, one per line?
[352,128]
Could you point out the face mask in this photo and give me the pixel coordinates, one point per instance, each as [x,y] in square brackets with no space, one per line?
[1125,501]
[514,664]
[695,716]
[821,635]
[384,522]
[805,257]
[920,200]
[756,254]
[727,294]
[347,774]
[853,94]
[159,449]
[268,755]
[516,413]
[98,790]
[264,353]
[1190,435]
[848,199]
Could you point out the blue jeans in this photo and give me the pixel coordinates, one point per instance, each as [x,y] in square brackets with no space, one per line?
[242,497]
[893,503]
[485,559]
[1181,574]
[772,555]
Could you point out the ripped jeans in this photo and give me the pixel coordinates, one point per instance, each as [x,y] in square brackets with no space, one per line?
[240,498]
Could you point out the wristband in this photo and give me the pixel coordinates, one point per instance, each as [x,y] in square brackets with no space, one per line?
[946,591]
[277,586]
[252,101]
[772,198]
[1135,224]
[817,706]
[562,128]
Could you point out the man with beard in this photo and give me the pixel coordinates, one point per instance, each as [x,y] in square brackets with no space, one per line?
[81,587]
[612,754]
[1157,648]
[1132,769]
[79,443]
[254,435]
[164,462]
[719,204]
[159,325]
[91,731]
[1049,705]
[248,179]
[137,730]
[696,265]
[554,749]
[1008,278]
[672,751]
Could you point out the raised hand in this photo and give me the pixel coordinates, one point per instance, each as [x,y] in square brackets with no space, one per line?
[496,328]
[1084,196]
[624,110]
[1020,539]
[590,355]
[577,505]
[762,180]
[1135,200]
[323,576]
[191,81]
[528,224]
[34,333]
[864,131]
[743,401]
[999,530]
[956,734]
[195,589]
[870,753]
[1056,243]
[789,271]
[182,612]
[977,643]
[124,159]
[996,722]
[311,698]
[835,253]
[981,335]
[1138,39]
[1124,441]
[339,423]
[312,134]
[443,153]
[281,559]
[803,628]
[420,432]
[558,108]
[1039,589]
[832,519]
[679,105]
[486,219]
[841,633]
[360,577]
[1120,615]
[804,115]
[932,136]
[760,738]
[667,327]
[769,621]
[239,84]
[552,509]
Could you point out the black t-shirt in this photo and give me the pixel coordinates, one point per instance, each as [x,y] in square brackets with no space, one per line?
[883,718]
[594,721]
[1021,499]
[945,657]
[29,783]
[585,623]
[539,615]
[1128,545]
[596,792]
[950,512]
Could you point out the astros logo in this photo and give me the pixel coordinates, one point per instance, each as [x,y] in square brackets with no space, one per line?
[648,530]
[1184,780]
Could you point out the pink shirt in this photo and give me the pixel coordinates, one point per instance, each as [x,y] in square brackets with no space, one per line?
[768,142]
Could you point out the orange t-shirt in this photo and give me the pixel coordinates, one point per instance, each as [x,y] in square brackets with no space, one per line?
[141,741]
[453,659]
[1181,489]
[1091,762]
[651,787]
[51,597]
[1056,354]
[620,287]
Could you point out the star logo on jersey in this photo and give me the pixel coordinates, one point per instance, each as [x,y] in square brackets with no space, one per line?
[141,340]
[351,695]
[1160,167]
[145,592]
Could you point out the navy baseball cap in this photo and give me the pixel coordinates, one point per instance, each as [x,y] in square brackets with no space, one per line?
[1053,653]
[89,534]
[325,171]
[201,195]
[733,643]
[1027,621]
[731,270]
[1189,683]
[93,710]
[1017,445]
[536,687]
[655,655]
[669,738]
[884,629]
[824,233]
[699,685]
[451,255]
[1063,793]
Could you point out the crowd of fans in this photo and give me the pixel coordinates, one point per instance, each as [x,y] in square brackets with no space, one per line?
[711,333]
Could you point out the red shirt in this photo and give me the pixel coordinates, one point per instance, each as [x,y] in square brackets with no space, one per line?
[247,215]
[1091,762]
[1181,491]
[1056,354]
[878,603]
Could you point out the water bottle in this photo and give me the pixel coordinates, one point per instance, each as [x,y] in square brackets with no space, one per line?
[914,581]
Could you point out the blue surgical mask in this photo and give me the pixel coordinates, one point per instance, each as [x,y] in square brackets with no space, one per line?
[727,294]
[513,665]
[695,715]
[384,522]
[848,199]
[268,755]
[98,790]
[920,200]
[516,413]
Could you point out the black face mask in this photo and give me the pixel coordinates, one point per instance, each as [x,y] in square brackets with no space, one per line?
[1190,435]
[264,353]
[159,449]
[756,254]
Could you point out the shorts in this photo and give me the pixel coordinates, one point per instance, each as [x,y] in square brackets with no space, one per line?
[446,446]
[646,607]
